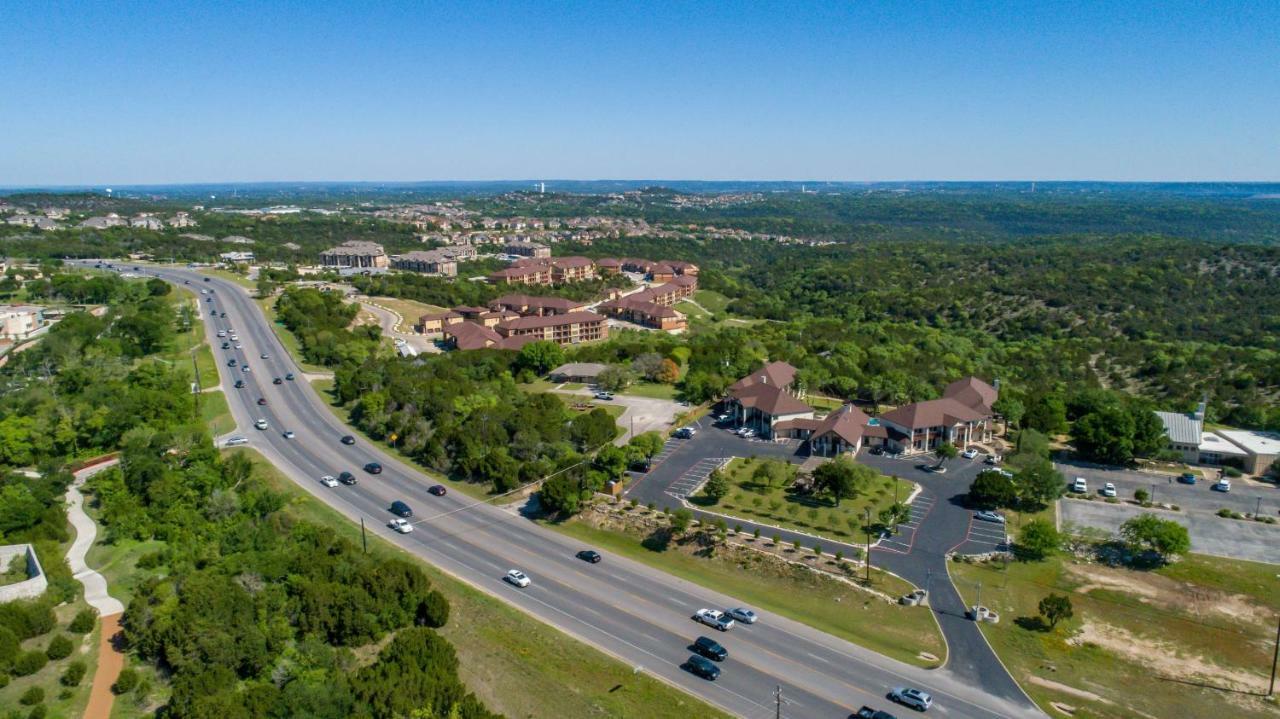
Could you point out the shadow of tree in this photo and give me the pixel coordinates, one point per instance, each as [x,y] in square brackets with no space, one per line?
[1032,624]
[658,541]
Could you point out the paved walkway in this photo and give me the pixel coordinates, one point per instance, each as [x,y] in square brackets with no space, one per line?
[96,594]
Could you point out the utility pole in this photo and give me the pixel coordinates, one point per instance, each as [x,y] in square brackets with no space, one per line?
[1257,509]
[1275,657]
[1153,494]
[978,603]
[364,538]
[777,702]
[868,510]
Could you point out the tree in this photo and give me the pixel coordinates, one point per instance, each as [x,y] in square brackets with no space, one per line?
[991,489]
[126,681]
[1037,540]
[1046,413]
[945,451]
[647,365]
[540,357]
[1038,483]
[1055,608]
[614,378]
[1148,532]
[60,647]
[717,487]
[561,494]
[1141,495]
[838,478]
[1105,435]
[592,429]
[669,373]
[680,520]
[647,444]
[1012,409]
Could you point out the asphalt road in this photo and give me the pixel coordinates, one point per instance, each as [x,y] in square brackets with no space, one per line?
[940,523]
[627,609]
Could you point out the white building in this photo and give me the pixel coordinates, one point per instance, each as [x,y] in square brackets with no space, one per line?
[18,322]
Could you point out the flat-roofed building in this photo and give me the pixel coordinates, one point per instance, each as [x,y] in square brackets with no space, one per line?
[527,249]
[1262,449]
[434,262]
[358,254]
[18,322]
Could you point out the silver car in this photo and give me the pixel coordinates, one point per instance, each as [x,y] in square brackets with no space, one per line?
[742,614]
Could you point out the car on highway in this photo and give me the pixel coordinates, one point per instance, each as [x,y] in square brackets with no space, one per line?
[589,555]
[222,315]
[277,380]
[348,439]
[989,516]
[239,384]
[260,424]
[437,490]
[289,376]
[347,478]
[232,362]
[713,618]
[329,480]
[206,279]
[701,667]
[911,697]
[400,509]
[233,441]
[867,712]
[710,648]
[262,401]
[1187,478]
[373,468]
[970,453]
[400,525]
[288,434]
[517,577]
[1080,486]
[226,345]
[1108,490]
[1222,485]
[685,433]
[605,396]
[244,368]
[742,614]
[239,346]
[222,333]
[264,355]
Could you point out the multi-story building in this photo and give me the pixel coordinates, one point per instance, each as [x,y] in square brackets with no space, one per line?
[540,306]
[546,271]
[355,254]
[435,262]
[18,322]
[962,416]
[571,328]
[527,249]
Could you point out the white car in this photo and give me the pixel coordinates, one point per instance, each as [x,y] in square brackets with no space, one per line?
[988,516]
[517,577]
[1108,490]
[329,480]
[288,434]
[266,356]
[742,614]
[604,396]
[244,368]
[400,525]
[714,618]
[1080,486]
[260,424]
[969,453]
[233,441]
[239,346]
[221,334]
[1222,485]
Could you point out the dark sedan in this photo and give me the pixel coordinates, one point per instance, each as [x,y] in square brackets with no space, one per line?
[589,555]
[373,468]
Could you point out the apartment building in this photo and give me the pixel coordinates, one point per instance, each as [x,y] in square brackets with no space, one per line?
[434,262]
[527,249]
[539,306]
[357,254]
[572,328]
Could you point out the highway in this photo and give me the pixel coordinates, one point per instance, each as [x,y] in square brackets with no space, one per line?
[629,610]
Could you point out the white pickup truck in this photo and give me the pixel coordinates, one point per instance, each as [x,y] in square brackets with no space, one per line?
[714,618]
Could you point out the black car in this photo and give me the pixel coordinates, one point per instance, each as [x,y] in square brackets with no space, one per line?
[231,362]
[348,439]
[262,401]
[869,713]
[222,315]
[226,345]
[277,380]
[438,490]
[206,279]
[373,468]
[400,509]
[347,478]
[289,376]
[710,649]
[588,555]
[701,667]
[239,384]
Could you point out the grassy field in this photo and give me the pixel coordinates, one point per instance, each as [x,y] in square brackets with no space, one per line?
[652,390]
[695,313]
[794,592]
[216,413]
[517,665]
[752,499]
[408,310]
[711,300]
[1190,639]
[60,702]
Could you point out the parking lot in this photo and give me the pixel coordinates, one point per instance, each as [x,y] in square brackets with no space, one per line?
[1217,536]
[905,538]
[691,480]
[983,536]
[1246,496]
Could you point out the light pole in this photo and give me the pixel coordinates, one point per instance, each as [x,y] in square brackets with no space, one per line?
[868,511]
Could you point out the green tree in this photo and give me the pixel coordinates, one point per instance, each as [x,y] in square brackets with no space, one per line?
[680,520]
[1038,483]
[614,378]
[717,487]
[1012,409]
[945,451]
[1055,608]
[1148,532]
[841,478]
[647,444]
[60,647]
[561,494]
[540,357]
[1037,540]
[991,489]
[1047,413]
[592,429]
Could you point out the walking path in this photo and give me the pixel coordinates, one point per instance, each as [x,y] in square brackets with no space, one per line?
[96,594]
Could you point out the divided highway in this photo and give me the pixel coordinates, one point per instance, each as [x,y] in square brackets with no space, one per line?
[627,609]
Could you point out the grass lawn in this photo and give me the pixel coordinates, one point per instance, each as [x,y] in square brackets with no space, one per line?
[692,311]
[517,665]
[652,390]
[824,403]
[793,592]
[409,310]
[216,413]
[751,499]
[1190,639]
[60,701]
[713,301]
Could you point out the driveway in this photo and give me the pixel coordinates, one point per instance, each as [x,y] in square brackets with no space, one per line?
[1232,538]
[639,415]
[1245,495]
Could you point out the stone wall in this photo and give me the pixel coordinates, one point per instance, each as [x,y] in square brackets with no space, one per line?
[34,586]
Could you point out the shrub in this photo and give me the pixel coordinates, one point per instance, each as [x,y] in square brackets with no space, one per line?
[74,673]
[1231,472]
[4,680]
[39,711]
[60,647]
[433,610]
[1141,495]
[839,557]
[127,680]
[755,533]
[29,663]
[84,622]
[777,539]
[737,529]
[1225,513]
[33,695]
[9,647]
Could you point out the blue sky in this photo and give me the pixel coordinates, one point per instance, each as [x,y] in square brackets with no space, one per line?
[102,93]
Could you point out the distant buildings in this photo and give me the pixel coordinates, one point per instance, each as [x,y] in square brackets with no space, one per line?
[545,271]
[442,261]
[652,307]
[147,222]
[527,249]
[355,254]
[18,322]
[512,321]
[103,222]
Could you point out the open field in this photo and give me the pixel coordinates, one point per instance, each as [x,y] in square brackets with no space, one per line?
[711,300]
[653,390]
[515,664]
[794,592]
[752,498]
[408,310]
[215,413]
[1190,639]
[61,702]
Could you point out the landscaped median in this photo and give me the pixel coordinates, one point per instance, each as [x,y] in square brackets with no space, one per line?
[822,591]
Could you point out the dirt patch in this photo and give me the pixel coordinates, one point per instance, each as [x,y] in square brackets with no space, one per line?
[110,662]
[1066,689]
[1166,659]
[1169,594]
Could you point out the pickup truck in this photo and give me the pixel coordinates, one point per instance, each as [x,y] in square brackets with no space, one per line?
[713,618]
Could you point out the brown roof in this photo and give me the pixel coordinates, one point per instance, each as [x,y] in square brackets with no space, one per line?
[933,413]
[780,374]
[530,301]
[770,398]
[447,314]
[683,280]
[608,262]
[526,323]
[849,423]
[973,393]
[574,261]
[471,336]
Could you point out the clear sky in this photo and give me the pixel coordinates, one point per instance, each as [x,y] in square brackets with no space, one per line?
[122,92]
